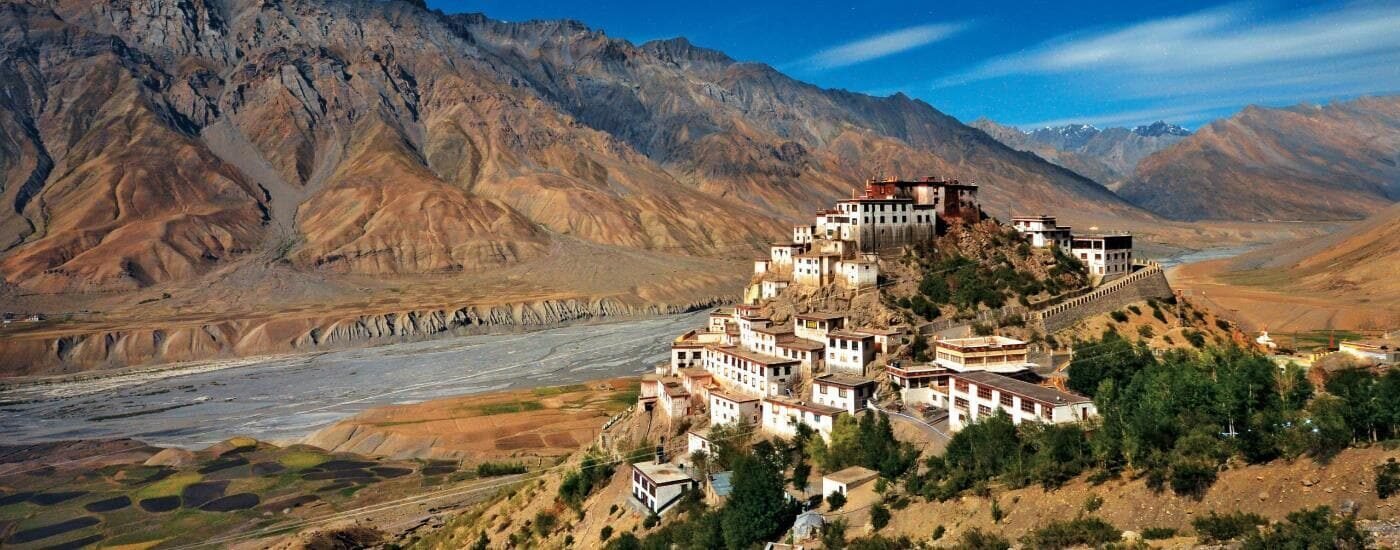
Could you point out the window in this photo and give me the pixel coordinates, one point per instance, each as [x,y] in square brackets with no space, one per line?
[984,393]
[1028,406]
[1046,412]
[962,386]
[982,409]
[1006,400]
[960,403]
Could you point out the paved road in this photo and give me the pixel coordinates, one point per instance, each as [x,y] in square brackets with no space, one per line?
[286,398]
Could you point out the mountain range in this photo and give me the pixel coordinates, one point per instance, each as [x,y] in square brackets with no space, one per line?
[1106,156]
[149,141]
[1339,161]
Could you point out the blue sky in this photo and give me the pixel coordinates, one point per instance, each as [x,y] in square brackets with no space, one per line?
[1033,63]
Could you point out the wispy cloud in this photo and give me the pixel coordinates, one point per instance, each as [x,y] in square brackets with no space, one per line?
[878,46]
[1198,63]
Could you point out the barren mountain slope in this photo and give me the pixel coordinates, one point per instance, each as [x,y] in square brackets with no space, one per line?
[1339,161]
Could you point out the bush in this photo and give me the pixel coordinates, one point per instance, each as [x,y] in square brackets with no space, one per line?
[879,516]
[1119,316]
[650,521]
[625,541]
[1145,331]
[491,469]
[1195,337]
[1136,310]
[545,523]
[1192,476]
[938,532]
[835,500]
[1084,531]
[1157,313]
[1215,528]
[997,512]
[982,329]
[606,533]
[977,539]
[1388,479]
[1158,533]
[1093,503]
[1316,528]
[1222,324]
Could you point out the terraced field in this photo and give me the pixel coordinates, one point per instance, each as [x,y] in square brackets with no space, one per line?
[238,486]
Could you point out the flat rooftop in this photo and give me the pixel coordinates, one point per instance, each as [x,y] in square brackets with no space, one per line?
[760,358]
[844,380]
[820,316]
[662,474]
[1025,389]
[979,342]
[804,405]
[853,474]
[848,335]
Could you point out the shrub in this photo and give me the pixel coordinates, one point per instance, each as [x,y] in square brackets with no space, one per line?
[1157,313]
[1145,331]
[1192,476]
[997,512]
[1222,324]
[1136,310]
[1158,533]
[938,532]
[606,533]
[544,523]
[625,541]
[1119,316]
[977,539]
[490,469]
[1084,531]
[1216,528]
[1196,338]
[650,521]
[1388,479]
[612,509]
[982,329]
[1316,528]
[835,500]
[879,516]
[1093,503]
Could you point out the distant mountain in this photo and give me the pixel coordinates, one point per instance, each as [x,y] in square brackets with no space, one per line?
[151,141]
[1107,156]
[1307,162]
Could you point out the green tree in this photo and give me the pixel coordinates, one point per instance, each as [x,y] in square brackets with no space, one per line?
[757,508]
[1109,358]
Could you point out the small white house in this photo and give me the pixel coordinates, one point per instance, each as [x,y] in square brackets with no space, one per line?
[843,481]
[816,325]
[857,274]
[781,416]
[849,352]
[658,486]
[727,408]
[1106,256]
[849,393]
[1043,231]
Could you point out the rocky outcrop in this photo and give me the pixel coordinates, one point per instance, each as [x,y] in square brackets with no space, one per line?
[82,351]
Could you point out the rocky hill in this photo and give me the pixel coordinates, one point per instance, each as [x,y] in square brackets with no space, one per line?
[1306,162]
[1106,156]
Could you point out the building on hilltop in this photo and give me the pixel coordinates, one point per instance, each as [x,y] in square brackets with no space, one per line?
[1043,231]
[1106,256]
[840,247]
[782,415]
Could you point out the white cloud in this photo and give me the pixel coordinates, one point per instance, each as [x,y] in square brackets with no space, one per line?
[1196,64]
[880,45]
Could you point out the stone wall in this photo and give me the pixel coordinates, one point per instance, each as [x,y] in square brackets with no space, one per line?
[1149,281]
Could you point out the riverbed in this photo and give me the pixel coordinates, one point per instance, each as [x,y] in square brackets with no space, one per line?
[285,398]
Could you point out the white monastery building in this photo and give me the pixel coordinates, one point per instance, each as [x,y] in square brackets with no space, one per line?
[979,393]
